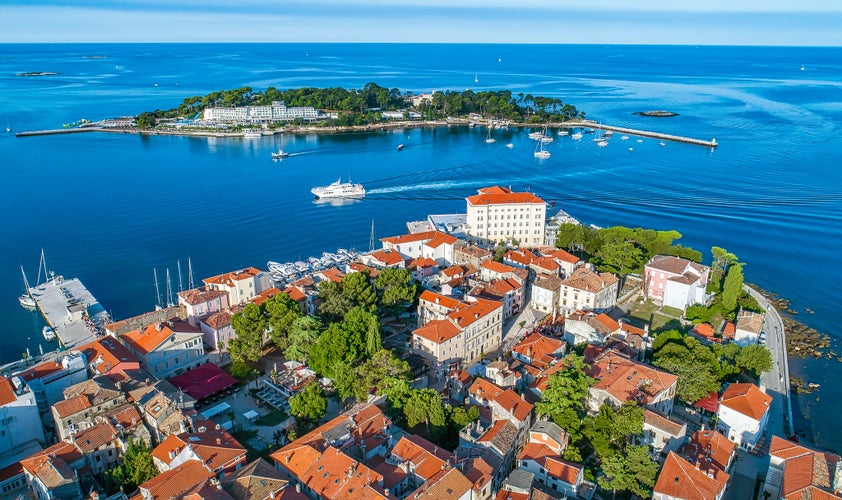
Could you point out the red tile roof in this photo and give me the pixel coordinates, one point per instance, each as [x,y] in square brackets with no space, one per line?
[627,380]
[198,296]
[497,267]
[409,238]
[514,404]
[148,339]
[538,348]
[387,257]
[474,311]
[485,390]
[710,446]
[497,195]
[93,437]
[265,295]
[449,484]
[440,239]
[177,481]
[422,263]
[747,399]
[559,254]
[438,331]
[215,448]
[228,279]
[662,422]
[72,406]
[437,298]
[333,274]
[589,281]
[52,465]
[679,479]
[40,370]
[806,473]
[220,319]
[425,464]
[7,392]
[106,353]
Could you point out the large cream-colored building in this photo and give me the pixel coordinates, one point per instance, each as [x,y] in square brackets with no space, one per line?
[497,214]
[277,112]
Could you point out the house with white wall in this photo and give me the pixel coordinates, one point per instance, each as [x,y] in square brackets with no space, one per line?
[743,414]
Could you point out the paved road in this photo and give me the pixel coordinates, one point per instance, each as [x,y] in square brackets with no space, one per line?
[776,381]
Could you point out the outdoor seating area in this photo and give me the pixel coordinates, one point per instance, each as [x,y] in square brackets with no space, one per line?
[271,396]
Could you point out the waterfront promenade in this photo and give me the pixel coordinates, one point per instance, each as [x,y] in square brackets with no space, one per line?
[67,306]
[642,133]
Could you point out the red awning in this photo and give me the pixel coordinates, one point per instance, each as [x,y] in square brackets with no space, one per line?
[203,381]
[709,402]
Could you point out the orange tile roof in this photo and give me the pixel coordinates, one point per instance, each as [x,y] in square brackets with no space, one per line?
[422,262]
[228,279]
[514,404]
[219,319]
[72,406]
[425,463]
[559,254]
[747,399]
[334,475]
[387,257]
[437,298]
[504,286]
[607,321]
[562,469]
[171,443]
[474,311]
[537,347]
[148,339]
[662,422]
[93,437]
[360,268]
[449,484]
[216,448]
[265,295]
[178,480]
[496,195]
[7,392]
[438,331]
[522,257]
[633,330]
[440,239]
[806,473]
[711,445]
[511,495]
[497,267]
[628,380]
[410,238]
[125,415]
[478,472]
[750,321]
[52,465]
[679,479]
[483,389]
[106,353]
[295,294]
[40,370]
[729,331]
[589,281]
[333,274]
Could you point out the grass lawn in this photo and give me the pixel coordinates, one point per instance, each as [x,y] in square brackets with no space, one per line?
[656,316]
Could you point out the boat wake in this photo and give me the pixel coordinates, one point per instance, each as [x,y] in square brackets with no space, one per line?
[423,186]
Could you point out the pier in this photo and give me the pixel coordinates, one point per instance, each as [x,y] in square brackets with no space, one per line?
[58,131]
[69,309]
[642,133]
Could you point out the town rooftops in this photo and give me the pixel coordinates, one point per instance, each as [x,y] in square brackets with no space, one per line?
[675,265]
[709,447]
[265,295]
[806,473]
[215,448]
[228,279]
[474,311]
[437,298]
[548,282]
[430,238]
[427,459]
[475,252]
[551,462]
[484,390]
[497,267]
[518,407]
[747,399]
[256,480]
[7,392]
[99,389]
[501,435]
[40,370]
[177,481]
[219,319]
[662,422]
[750,321]
[198,296]
[146,340]
[679,479]
[387,257]
[447,484]
[52,465]
[589,281]
[627,380]
[539,348]
[330,473]
[93,437]
[106,353]
[438,331]
[559,255]
[497,195]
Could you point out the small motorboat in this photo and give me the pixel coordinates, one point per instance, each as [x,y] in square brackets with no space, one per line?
[280,155]
[400,147]
[26,301]
[49,333]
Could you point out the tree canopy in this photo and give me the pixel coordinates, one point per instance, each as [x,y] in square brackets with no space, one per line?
[564,398]
[282,311]
[137,468]
[309,404]
[249,327]
[395,288]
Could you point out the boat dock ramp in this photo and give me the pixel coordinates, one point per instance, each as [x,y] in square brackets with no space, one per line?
[642,133]
[70,309]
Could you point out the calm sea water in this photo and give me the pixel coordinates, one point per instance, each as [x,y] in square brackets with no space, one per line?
[110,208]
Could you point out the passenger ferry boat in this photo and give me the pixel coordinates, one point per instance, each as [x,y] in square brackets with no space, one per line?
[339,189]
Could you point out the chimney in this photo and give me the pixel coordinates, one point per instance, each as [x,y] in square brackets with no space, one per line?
[173,454]
[438,300]
[158,327]
[202,428]
[218,441]
[297,485]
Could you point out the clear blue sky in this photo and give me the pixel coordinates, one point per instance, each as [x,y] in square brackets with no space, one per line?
[726,22]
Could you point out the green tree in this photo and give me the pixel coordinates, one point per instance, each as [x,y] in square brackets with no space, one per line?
[459,416]
[397,392]
[302,334]
[722,259]
[621,257]
[344,380]
[754,358]
[137,468]
[695,366]
[425,406]
[145,120]
[249,328]
[358,290]
[375,373]
[565,395]
[282,312]
[333,345]
[334,304]
[310,404]
[395,287]
[685,253]
[732,288]
[631,470]
[665,337]
[363,329]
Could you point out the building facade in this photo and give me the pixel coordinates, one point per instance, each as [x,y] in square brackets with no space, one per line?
[496,214]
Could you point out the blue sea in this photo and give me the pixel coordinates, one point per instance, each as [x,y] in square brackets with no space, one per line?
[110,208]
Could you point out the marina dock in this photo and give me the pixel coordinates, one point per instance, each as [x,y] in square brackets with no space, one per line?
[70,309]
[30,133]
[642,133]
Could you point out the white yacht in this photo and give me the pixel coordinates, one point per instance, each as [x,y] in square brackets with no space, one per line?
[339,189]
[280,155]
[576,135]
[540,153]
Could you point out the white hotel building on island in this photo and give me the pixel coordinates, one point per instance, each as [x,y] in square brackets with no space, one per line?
[277,112]
[497,214]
